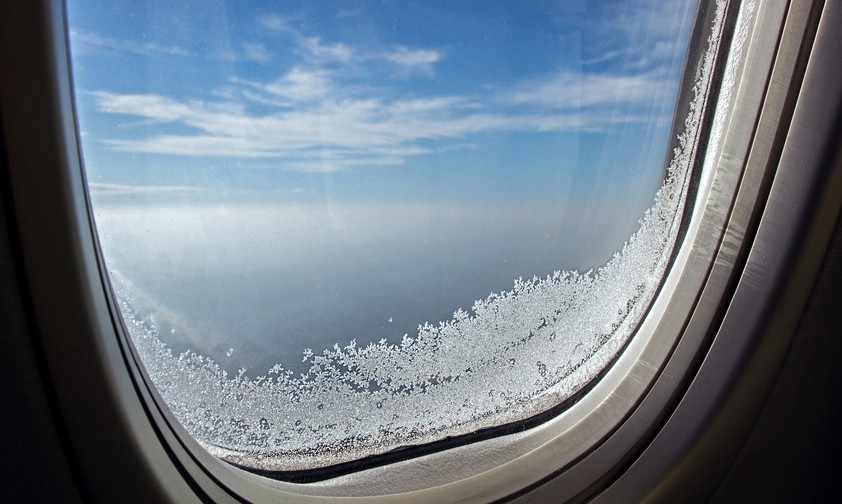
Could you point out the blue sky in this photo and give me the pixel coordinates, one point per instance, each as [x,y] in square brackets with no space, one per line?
[427,101]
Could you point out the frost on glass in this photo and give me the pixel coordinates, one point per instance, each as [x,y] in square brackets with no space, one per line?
[512,355]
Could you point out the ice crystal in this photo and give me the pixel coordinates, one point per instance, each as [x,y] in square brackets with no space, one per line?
[514,354]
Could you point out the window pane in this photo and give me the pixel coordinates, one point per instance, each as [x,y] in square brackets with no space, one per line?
[339,229]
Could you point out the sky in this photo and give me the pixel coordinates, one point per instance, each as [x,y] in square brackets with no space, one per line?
[271,176]
[380,100]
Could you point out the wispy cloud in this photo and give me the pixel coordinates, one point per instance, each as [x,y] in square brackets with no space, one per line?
[575,90]
[98,188]
[310,123]
[637,36]
[256,52]
[316,51]
[326,52]
[652,17]
[323,114]
[332,133]
[81,39]
[274,22]
[312,48]
[414,59]
[296,86]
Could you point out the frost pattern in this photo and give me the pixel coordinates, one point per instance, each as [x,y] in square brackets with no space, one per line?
[513,355]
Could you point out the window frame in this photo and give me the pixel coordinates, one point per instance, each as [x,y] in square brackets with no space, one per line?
[114,425]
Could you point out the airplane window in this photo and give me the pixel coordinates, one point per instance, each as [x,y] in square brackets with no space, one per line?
[335,230]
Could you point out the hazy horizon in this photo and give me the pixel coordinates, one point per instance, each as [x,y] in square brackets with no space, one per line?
[254,285]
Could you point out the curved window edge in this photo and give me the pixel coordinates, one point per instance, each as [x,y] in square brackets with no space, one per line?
[794,229]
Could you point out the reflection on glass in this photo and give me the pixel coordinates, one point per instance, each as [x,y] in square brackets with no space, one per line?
[336,229]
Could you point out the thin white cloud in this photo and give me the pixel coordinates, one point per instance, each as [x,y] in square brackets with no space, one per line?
[653,18]
[637,36]
[299,85]
[311,48]
[317,52]
[326,52]
[225,54]
[274,22]
[154,107]
[414,59]
[325,165]
[417,106]
[98,188]
[226,93]
[256,52]
[82,39]
[605,56]
[575,90]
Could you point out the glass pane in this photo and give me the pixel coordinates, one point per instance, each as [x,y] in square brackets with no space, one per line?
[337,229]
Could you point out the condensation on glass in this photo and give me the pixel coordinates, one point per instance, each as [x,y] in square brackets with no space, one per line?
[331,238]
